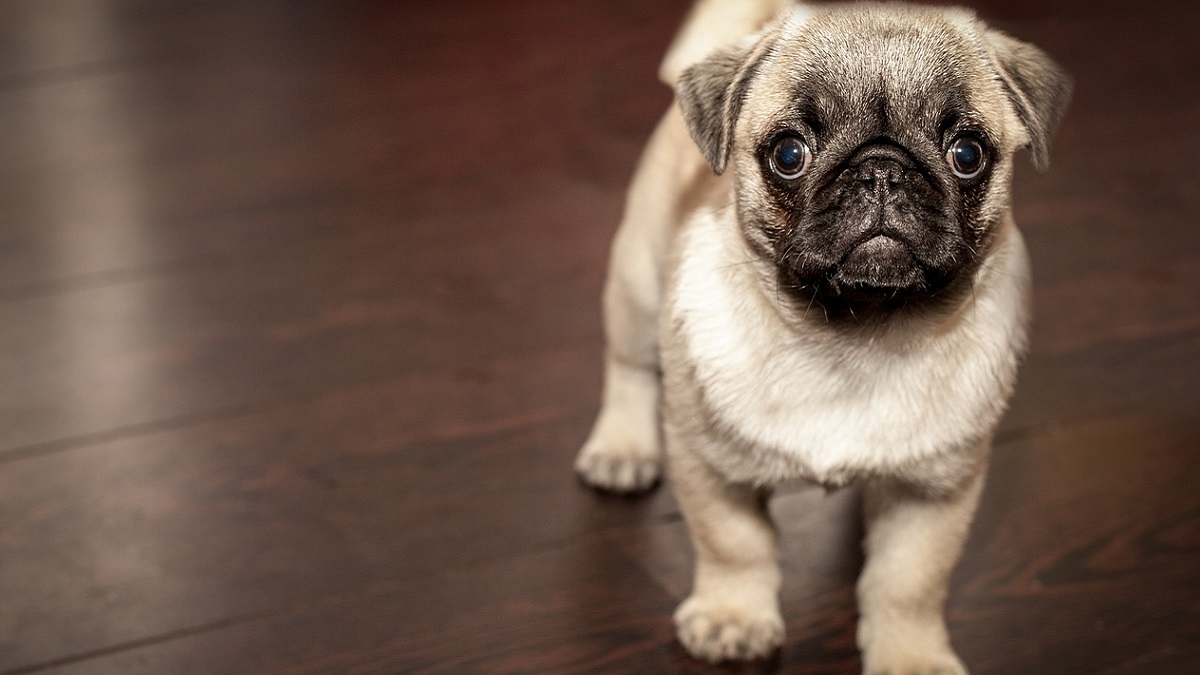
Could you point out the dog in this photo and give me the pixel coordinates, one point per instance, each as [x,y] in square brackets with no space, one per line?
[817,278]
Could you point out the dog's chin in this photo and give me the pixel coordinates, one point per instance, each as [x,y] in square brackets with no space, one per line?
[878,278]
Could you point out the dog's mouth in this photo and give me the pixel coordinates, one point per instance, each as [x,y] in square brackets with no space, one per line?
[883,262]
[880,267]
[881,272]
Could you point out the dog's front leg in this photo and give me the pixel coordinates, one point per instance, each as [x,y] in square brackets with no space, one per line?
[733,611]
[912,544]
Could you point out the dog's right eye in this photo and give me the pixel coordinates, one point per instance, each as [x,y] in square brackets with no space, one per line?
[789,157]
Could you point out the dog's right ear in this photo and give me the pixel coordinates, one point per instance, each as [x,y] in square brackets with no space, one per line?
[711,92]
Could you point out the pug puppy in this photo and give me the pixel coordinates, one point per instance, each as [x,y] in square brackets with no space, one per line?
[818,278]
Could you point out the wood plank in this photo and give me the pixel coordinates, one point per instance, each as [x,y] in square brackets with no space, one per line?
[505,615]
[325,310]
[119,541]
[1085,552]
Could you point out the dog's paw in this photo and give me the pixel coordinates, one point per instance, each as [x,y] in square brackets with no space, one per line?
[716,632]
[607,468]
[908,648]
[942,662]
[921,669]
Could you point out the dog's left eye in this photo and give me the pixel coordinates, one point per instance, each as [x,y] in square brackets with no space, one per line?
[966,157]
[789,157]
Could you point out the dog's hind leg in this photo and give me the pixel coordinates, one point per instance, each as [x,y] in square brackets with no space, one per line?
[624,451]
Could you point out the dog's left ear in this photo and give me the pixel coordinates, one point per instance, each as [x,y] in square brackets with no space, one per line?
[1038,89]
[711,92]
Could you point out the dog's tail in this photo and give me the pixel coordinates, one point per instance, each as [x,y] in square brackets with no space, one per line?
[712,24]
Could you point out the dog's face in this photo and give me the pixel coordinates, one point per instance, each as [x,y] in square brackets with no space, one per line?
[873,146]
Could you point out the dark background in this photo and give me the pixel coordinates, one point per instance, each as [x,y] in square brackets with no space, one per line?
[299,333]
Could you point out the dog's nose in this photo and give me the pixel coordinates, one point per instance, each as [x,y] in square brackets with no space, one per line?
[881,166]
[881,175]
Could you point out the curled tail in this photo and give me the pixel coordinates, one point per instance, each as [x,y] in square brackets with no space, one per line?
[715,23]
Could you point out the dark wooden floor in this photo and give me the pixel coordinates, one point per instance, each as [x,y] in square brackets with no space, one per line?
[299,333]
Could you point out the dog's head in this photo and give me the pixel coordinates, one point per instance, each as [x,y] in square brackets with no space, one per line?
[872,145]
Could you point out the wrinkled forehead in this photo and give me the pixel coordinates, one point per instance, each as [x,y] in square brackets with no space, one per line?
[913,68]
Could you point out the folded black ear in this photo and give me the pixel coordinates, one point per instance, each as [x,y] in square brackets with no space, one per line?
[1037,87]
[710,95]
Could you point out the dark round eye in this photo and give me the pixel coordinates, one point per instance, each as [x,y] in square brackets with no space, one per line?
[789,157]
[966,157]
